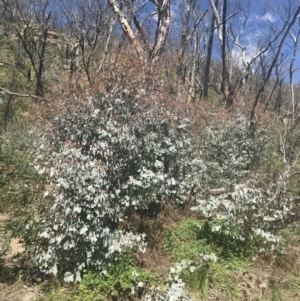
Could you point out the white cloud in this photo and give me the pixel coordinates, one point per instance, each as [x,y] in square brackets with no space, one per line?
[268,17]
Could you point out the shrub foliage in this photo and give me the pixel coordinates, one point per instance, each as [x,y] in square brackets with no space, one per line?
[241,208]
[105,159]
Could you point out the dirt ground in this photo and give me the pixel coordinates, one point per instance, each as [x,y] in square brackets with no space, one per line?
[17,291]
[15,246]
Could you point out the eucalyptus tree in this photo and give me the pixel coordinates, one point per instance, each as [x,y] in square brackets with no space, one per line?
[126,11]
[286,103]
[221,19]
[209,52]
[294,35]
[225,16]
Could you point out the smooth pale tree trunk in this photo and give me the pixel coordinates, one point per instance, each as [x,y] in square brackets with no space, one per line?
[184,34]
[209,53]
[127,29]
[291,71]
[225,89]
[106,46]
[188,33]
[192,82]
[163,26]
[221,29]
[184,39]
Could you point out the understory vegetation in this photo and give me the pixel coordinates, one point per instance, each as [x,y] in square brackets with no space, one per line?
[97,177]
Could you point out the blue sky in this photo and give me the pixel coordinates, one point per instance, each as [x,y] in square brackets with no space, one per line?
[271,14]
[264,16]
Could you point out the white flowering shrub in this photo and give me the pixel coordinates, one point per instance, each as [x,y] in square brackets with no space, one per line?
[104,160]
[241,213]
[110,157]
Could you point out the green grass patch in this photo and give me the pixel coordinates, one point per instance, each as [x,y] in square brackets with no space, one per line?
[123,278]
[192,238]
[183,243]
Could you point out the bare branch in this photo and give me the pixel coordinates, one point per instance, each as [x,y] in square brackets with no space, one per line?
[287,28]
[233,14]
[217,19]
[196,25]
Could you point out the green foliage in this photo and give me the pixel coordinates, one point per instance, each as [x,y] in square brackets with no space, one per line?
[183,242]
[8,43]
[55,290]
[17,174]
[194,240]
[59,296]
[194,237]
[219,274]
[123,278]
[19,182]
[175,289]
[4,247]
[225,242]
[230,153]
[293,188]
[18,189]
[274,165]
[199,279]
[276,293]
[249,215]
[223,275]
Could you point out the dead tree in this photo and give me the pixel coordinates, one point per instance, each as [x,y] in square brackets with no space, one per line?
[163,14]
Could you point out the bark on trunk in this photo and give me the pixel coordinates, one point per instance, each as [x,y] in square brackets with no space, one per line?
[184,30]
[225,75]
[163,27]
[127,29]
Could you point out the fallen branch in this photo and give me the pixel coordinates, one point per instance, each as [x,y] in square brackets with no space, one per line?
[214,191]
[217,191]
[5,91]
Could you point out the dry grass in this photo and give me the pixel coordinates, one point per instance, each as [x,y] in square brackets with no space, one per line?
[17,292]
[273,277]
